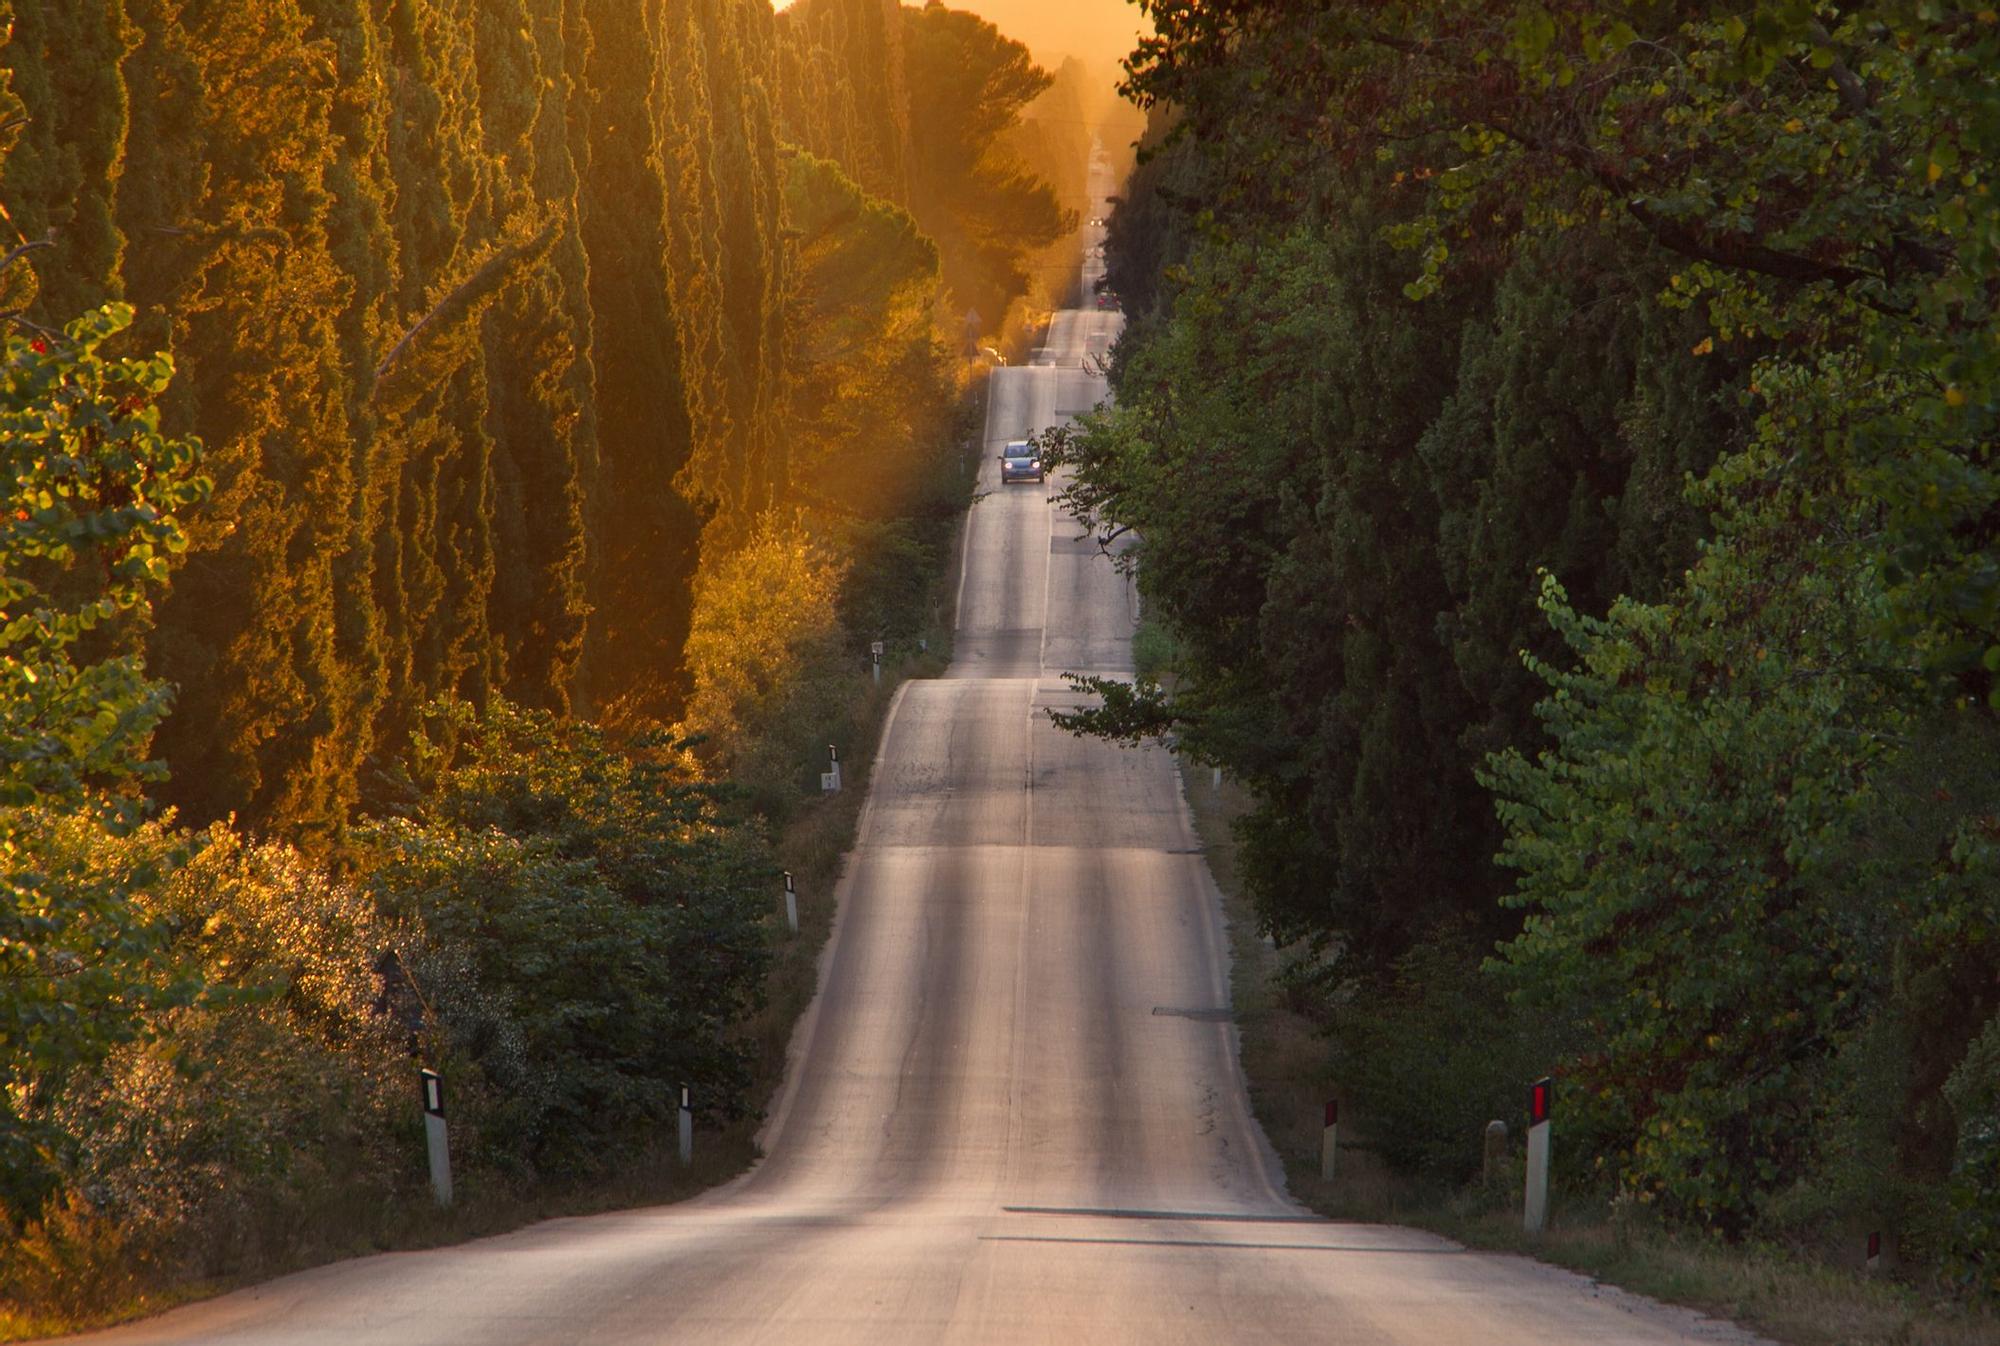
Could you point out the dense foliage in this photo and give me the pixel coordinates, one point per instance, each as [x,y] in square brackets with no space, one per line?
[91,494]
[976,196]
[494,320]
[1464,324]
[582,928]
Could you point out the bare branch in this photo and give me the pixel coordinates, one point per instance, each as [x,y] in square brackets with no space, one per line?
[487,278]
[15,254]
[1852,91]
[18,320]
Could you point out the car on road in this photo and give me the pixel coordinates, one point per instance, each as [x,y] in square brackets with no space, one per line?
[1020,462]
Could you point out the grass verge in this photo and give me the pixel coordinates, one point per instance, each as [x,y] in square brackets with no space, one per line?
[1784,1296]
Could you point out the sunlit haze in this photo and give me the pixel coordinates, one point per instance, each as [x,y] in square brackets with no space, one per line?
[1098,31]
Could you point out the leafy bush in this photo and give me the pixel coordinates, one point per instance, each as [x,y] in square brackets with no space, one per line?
[762,616]
[585,931]
[89,487]
[1433,1054]
[225,1130]
[1972,1250]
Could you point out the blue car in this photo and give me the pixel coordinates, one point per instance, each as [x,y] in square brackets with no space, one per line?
[1020,462]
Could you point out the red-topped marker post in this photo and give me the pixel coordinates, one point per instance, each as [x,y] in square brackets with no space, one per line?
[1541,1103]
[1329,1139]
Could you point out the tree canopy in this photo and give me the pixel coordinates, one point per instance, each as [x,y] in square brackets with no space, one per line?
[1572,430]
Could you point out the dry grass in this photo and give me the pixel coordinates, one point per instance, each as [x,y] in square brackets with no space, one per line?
[1783,1296]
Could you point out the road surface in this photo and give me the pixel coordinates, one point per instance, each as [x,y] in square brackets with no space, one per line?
[1014,1113]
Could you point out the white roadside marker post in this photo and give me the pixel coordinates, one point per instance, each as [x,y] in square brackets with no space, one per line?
[434,1135]
[1535,1215]
[1215,778]
[687,1128]
[1874,1252]
[1329,1140]
[1494,1155]
[875,660]
[791,903]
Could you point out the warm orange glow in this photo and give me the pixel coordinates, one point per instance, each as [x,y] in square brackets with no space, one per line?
[1097,31]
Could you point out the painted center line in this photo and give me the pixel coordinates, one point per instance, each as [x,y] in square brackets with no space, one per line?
[1224,1244]
[1130,1213]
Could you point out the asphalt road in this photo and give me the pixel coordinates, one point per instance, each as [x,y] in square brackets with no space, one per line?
[1015,1112]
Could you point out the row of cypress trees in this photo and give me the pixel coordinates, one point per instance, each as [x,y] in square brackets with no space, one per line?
[486,311]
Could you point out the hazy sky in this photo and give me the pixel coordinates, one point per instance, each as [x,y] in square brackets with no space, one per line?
[1099,31]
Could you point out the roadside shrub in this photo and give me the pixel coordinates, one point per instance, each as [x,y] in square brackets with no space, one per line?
[1972,1249]
[1433,1053]
[224,1133]
[764,616]
[1155,651]
[584,931]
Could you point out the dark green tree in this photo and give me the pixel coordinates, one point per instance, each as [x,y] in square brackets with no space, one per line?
[986,210]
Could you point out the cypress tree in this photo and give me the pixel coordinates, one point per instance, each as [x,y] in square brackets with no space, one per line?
[363,243]
[538,362]
[238,261]
[842,93]
[715,146]
[61,178]
[483,308]
[644,533]
[439,548]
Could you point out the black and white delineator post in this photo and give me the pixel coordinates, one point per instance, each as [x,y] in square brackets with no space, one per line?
[687,1128]
[1874,1251]
[1541,1101]
[1329,1140]
[434,1134]
[875,659]
[791,903]
[829,779]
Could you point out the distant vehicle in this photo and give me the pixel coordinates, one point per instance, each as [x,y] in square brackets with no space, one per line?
[1020,462]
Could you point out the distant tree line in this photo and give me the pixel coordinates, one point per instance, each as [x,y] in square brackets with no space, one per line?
[1568,433]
